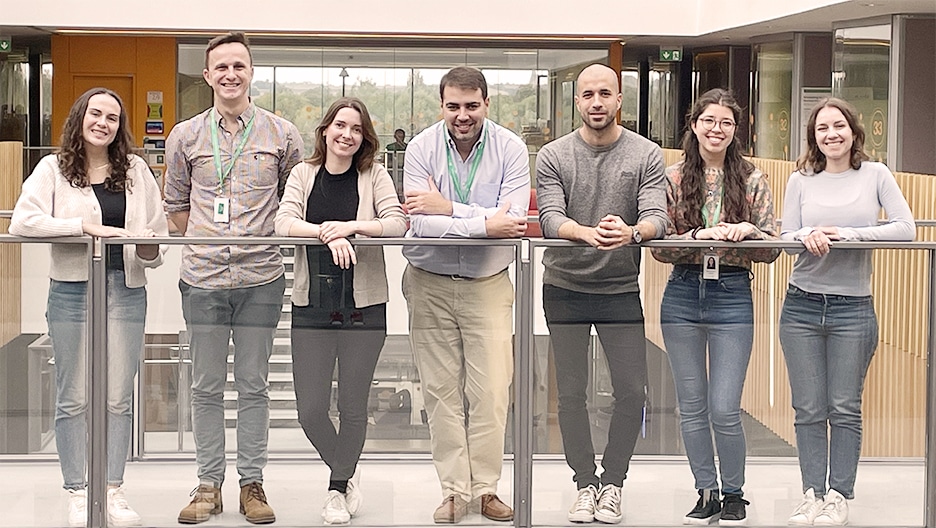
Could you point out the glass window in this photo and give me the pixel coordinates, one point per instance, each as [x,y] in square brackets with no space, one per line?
[772,99]
[861,74]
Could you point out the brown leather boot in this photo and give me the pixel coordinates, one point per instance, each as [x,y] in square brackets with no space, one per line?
[451,510]
[206,501]
[495,509]
[253,504]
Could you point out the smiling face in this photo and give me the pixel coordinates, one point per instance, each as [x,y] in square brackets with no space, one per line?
[834,136]
[101,122]
[464,112]
[715,129]
[598,99]
[344,135]
[230,72]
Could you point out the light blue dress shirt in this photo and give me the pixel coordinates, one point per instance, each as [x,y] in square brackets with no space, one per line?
[503,175]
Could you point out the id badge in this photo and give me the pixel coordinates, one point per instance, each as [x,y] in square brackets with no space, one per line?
[710,266]
[221,212]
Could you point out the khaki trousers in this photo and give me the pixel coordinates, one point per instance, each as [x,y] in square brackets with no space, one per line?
[461,335]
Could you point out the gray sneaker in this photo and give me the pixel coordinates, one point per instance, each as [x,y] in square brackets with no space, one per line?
[583,510]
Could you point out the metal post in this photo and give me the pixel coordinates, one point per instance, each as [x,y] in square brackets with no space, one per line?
[930,478]
[97,374]
[523,390]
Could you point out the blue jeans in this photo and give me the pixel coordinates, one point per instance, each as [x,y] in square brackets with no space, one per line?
[717,317]
[828,342]
[214,317]
[66,314]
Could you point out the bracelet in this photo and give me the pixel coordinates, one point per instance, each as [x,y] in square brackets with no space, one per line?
[696,232]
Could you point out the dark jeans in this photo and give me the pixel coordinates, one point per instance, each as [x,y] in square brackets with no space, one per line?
[618,319]
[317,343]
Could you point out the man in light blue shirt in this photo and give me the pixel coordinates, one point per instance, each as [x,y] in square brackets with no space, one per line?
[464,177]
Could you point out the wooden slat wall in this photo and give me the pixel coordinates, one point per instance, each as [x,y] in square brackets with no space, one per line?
[11,180]
[895,391]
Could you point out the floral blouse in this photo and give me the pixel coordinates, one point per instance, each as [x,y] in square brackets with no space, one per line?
[762,217]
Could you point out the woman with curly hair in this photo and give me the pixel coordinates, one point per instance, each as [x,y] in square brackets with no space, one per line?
[94,186]
[707,313]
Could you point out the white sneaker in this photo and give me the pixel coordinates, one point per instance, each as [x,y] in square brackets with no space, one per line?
[353,493]
[805,513]
[583,510]
[834,510]
[119,513]
[609,505]
[335,510]
[77,507]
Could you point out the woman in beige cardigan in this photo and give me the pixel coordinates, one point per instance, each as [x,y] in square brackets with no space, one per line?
[339,293]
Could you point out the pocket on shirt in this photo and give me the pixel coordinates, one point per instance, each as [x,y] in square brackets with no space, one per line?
[263,171]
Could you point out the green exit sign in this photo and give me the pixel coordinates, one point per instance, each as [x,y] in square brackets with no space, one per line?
[6,44]
[670,55]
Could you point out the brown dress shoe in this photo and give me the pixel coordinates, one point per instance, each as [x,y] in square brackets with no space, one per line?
[451,510]
[253,504]
[205,502]
[495,509]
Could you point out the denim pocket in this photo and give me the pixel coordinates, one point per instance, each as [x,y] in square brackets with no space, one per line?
[735,283]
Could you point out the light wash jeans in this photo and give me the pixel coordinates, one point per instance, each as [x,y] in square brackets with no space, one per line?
[66,314]
[828,342]
[708,329]
[213,317]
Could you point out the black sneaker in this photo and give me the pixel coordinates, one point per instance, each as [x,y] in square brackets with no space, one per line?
[733,512]
[706,509]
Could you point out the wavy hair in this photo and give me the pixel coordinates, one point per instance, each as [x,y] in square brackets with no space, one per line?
[72,156]
[363,159]
[813,160]
[737,169]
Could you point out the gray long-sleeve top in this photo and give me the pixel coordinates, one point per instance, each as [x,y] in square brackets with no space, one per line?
[577,181]
[851,201]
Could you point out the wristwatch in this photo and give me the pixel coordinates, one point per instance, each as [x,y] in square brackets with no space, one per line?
[635,237]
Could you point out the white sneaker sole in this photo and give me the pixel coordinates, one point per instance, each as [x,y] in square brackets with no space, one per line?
[723,522]
[608,518]
[696,521]
[581,517]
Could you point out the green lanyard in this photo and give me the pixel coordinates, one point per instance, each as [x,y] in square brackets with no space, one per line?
[717,210]
[222,173]
[464,191]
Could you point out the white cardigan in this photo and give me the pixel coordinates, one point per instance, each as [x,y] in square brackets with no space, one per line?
[377,200]
[50,207]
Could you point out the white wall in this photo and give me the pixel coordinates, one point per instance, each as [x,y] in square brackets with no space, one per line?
[479,17]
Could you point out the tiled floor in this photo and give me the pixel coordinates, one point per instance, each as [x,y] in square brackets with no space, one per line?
[404,493]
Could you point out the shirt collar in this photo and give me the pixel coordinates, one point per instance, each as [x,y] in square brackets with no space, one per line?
[244,117]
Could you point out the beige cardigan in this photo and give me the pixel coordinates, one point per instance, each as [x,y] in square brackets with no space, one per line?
[377,200]
[50,207]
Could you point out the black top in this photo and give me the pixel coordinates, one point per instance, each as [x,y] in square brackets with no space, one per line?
[113,214]
[333,197]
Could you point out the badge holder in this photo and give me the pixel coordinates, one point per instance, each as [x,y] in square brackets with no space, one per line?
[710,265]
[222,213]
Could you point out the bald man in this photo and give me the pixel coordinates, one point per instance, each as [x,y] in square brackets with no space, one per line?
[602,185]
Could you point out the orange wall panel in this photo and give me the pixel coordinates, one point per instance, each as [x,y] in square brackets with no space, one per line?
[148,63]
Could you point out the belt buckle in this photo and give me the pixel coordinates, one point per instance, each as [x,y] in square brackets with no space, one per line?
[457,277]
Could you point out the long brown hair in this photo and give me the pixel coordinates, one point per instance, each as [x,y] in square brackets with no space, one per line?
[737,169]
[363,159]
[72,157]
[813,160]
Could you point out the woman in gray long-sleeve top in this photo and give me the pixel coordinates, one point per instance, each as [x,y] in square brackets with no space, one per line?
[828,328]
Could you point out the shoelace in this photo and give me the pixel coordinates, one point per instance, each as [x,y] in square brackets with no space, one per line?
[201,496]
[330,503]
[255,491]
[81,506]
[609,498]
[586,498]
[805,506]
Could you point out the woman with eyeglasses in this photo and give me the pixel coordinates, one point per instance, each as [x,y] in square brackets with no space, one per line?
[828,328]
[94,186]
[340,293]
[707,313]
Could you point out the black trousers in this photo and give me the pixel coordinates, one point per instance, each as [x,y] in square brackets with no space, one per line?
[618,319]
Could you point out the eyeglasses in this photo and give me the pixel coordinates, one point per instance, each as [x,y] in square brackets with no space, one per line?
[708,123]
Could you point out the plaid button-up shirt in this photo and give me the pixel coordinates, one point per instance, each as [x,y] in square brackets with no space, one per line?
[253,188]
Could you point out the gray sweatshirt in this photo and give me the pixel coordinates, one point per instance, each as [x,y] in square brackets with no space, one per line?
[576,181]
[851,201]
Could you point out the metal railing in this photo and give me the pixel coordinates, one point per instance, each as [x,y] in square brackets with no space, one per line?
[523,371]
